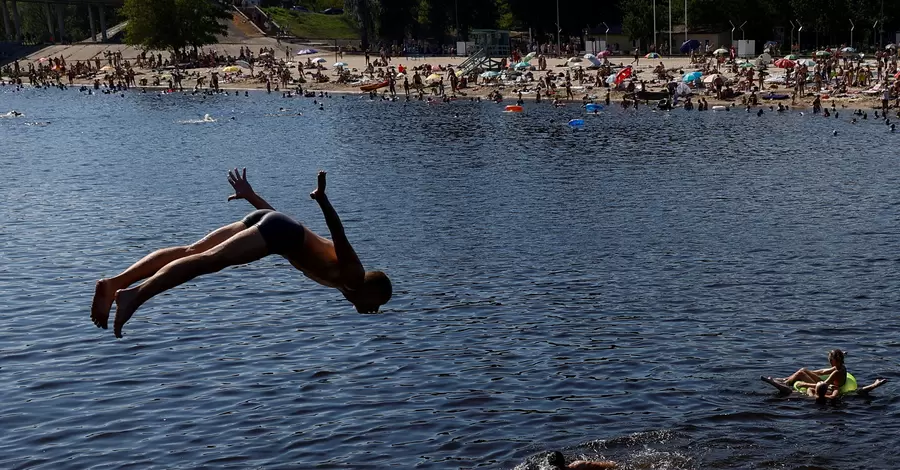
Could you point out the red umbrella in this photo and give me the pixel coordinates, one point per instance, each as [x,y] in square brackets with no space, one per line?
[785,63]
[623,74]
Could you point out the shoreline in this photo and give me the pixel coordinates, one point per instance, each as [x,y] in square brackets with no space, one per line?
[616,97]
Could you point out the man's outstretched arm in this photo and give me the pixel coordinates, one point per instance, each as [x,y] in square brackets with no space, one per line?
[243,190]
[352,271]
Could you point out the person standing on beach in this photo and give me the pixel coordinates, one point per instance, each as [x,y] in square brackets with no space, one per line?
[331,263]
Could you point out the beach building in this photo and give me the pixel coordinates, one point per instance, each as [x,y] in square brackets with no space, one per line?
[601,37]
[712,35]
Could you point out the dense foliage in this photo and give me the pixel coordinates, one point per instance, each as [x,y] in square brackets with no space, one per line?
[75,22]
[173,24]
[824,21]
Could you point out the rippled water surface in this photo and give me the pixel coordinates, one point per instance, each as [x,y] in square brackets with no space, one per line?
[614,292]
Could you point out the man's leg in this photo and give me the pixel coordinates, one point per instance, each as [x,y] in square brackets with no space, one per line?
[245,247]
[868,388]
[784,389]
[105,289]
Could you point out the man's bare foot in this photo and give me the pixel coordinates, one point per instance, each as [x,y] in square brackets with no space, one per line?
[775,383]
[104,294]
[125,307]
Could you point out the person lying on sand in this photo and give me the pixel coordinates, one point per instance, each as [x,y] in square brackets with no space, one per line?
[557,461]
[332,263]
[826,383]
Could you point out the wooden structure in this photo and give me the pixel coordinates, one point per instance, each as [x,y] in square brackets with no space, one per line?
[490,51]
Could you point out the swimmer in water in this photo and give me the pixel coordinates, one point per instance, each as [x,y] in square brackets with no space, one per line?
[557,461]
[332,263]
[811,380]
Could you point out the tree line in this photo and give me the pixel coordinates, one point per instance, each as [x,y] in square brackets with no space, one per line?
[178,24]
[824,22]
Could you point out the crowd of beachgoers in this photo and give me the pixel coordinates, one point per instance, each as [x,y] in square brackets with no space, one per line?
[839,76]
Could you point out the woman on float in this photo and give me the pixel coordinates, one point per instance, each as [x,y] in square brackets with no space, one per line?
[827,383]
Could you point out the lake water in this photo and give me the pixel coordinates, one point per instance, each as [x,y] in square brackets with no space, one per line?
[614,292]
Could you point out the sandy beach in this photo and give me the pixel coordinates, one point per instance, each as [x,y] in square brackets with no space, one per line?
[284,59]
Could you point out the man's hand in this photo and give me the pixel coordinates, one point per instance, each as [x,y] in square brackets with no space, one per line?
[320,190]
[242,188]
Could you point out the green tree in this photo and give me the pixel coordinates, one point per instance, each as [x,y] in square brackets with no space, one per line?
[396,19]
[201,21]
[173,24]
[637,19]
[365,12]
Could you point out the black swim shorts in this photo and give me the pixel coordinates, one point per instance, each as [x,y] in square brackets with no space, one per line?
[283,235]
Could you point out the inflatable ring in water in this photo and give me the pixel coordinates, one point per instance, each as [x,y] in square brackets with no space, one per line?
[514,108]
[591,107]
[577,123]
[718,108]
[848,387]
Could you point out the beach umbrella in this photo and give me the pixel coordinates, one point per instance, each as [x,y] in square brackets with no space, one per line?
[807,62]
[785,64]
[689,45]
[242,63]
[652,55]
[764,58]
[490,74]
[890,46]
[590,56]
[522,65]
[848,49]
[682,89]
[231,69]
[400,76]
[711,78]
[306,51]
[691,76]
[823,54]
[791,57]
[528,57]
[433,78]
[622,75]
[720,51]
[340,64]
[317,60]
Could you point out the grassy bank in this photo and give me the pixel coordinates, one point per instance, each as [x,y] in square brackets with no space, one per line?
[314,25]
